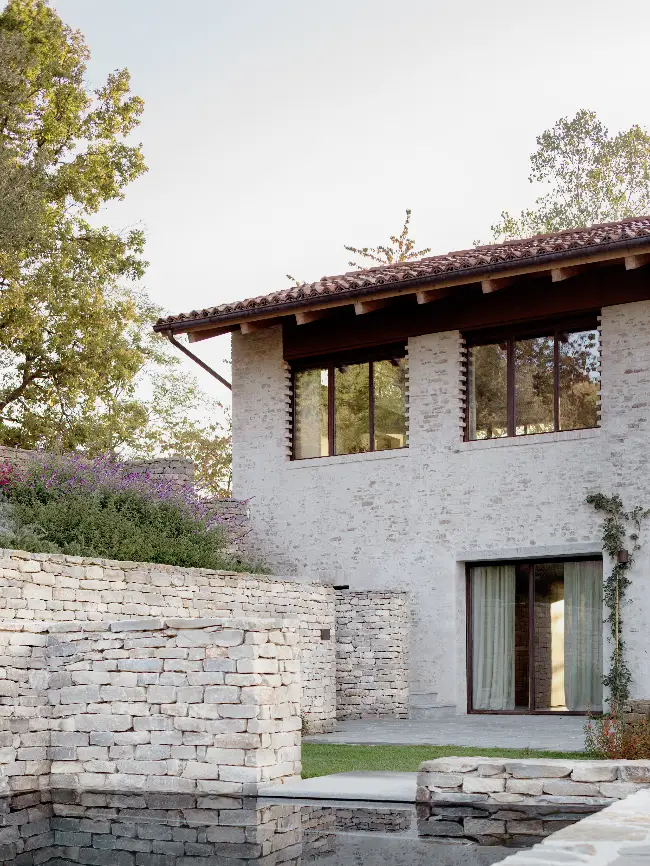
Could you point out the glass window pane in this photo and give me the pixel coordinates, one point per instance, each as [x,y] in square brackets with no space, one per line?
[390,404]
[311,414]
[534,386]
[579,380]
[352,409]
[487,392]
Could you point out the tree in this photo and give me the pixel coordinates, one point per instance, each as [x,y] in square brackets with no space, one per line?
[401,249]
[176,425]
[74,332]
[593,177]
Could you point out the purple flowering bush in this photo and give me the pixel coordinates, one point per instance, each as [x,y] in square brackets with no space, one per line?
[105,508]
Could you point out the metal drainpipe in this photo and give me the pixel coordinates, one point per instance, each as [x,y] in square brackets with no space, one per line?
[172,339]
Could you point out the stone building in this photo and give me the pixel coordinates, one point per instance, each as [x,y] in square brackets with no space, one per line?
[434,426]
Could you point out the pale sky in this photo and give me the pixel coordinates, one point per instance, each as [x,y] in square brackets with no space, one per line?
[276,131]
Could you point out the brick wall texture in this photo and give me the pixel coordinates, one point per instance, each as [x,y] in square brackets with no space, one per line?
[408,519]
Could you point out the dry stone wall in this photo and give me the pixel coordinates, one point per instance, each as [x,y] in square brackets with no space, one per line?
[207,705]
[372,638]
[534,782]
[61,588]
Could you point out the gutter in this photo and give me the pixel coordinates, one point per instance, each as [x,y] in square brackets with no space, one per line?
[467,275]
[172,339]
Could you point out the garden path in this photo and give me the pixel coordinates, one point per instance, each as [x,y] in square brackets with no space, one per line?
[551,733]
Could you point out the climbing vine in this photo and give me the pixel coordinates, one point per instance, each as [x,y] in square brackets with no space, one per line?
[615,535]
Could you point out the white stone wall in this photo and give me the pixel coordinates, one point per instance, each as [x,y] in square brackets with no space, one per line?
[411,519]
[208,706]
[529,782]
[57,587]
[372,644]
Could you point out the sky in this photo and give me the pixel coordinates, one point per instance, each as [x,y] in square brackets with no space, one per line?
[276,131]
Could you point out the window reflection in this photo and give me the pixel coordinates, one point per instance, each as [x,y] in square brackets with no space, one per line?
[579,379]
[390,400]
[534,385]
[352,409]
[488,392]
[310,420]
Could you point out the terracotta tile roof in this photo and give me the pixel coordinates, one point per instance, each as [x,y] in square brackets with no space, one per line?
[473,263]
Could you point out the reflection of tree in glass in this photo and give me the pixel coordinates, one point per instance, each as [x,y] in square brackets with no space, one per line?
[488,392]
[390,414]
[579,380]
[351,410]
[534,385]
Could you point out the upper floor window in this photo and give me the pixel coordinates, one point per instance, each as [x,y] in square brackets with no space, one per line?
[520,383]
[350,404]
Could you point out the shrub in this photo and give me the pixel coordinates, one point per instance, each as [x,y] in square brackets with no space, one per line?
[615,737]
[102,508]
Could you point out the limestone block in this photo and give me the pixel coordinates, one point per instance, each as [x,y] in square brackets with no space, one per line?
[584,772]
[524,786]
[482,785]
[562,787]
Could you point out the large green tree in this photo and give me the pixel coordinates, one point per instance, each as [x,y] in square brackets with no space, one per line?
[73,330]
[77,354]
[590,175]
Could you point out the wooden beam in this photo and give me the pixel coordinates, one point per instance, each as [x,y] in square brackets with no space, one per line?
[312,316]
[558,275]
[430,295]
[362,307]
[197,336]
[634,262]
[489,286]
[257,325]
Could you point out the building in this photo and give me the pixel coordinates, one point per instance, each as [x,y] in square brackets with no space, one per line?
[435,426]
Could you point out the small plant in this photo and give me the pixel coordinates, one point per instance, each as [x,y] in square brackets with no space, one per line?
[103,508]
[615,533]
[614,737]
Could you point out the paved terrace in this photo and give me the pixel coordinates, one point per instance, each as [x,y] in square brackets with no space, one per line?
[551,733]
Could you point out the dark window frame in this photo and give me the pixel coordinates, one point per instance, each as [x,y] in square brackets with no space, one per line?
[341,359]
[510,335]
[469,640]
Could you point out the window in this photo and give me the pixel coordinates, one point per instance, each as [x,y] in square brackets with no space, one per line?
[535,636]
[520,383]
[350,404]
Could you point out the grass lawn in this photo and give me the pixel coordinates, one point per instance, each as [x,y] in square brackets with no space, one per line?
[321,759]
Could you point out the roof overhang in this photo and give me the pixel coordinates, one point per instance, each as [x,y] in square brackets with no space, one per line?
[631,254]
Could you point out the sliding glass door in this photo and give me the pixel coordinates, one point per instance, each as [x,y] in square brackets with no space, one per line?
[535,636]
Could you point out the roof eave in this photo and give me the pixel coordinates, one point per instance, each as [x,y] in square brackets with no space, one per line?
[593,254]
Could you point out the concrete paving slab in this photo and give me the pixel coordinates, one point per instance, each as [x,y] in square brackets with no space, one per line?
[373,786]
[548,733]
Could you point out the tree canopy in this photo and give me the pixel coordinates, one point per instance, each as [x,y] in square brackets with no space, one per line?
[75,328]
[591,177]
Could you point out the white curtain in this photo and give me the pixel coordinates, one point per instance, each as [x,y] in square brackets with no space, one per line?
[493,637]
[583,635]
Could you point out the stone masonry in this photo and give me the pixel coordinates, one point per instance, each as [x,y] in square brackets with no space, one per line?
[412,518]
[60,588]
[372,635]
[171,705]
[530,782]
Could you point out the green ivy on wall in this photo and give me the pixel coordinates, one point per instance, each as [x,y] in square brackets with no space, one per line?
[615,535]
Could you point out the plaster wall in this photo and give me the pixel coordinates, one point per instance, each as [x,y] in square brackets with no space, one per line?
[409,520]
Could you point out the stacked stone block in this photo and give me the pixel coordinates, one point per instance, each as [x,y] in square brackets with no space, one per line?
[58,587]
[531,782]
[207,705]
[372,638]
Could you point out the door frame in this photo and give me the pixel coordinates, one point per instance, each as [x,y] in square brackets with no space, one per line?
[586,557]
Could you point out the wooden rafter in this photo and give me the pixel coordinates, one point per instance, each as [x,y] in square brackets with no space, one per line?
[257,325]
[634,262]
[558,275]
[362,307]
[308,316]
[489,286]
